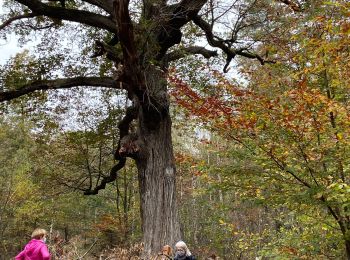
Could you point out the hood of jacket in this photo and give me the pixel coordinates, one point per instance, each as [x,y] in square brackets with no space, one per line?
[33,247]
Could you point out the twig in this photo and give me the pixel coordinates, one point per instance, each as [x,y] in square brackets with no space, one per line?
[82,257]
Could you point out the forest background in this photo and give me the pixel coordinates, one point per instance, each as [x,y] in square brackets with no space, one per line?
[261,152]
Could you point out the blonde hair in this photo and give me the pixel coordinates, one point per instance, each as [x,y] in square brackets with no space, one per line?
[39,233]
[182,244]
[166,250]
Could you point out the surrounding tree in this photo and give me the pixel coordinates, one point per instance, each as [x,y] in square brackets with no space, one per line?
[292,116]
[37,191]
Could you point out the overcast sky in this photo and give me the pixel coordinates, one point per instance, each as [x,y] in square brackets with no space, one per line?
[7,48]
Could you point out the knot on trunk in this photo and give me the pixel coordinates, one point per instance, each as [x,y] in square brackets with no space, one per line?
[130,146]
[102,48]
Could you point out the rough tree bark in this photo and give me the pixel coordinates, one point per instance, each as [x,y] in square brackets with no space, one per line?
[157,174]
[157,183]
[152,144]
[147,87]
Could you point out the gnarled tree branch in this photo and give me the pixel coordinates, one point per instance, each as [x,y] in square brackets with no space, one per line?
[124,125]
[178,54]
[79,16]
[215,41]
[177,16]
[105,82]
[18,17]
[132,73]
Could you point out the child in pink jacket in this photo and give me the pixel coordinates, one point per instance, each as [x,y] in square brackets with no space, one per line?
[36,248]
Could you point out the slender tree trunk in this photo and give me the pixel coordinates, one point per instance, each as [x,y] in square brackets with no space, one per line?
[156,171]
[346,235]
[344,227]
[347,245]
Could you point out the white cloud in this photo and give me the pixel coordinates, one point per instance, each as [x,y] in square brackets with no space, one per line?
[8,48]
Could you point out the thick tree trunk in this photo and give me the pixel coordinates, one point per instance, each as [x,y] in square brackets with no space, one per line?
[147,87]
[157,170]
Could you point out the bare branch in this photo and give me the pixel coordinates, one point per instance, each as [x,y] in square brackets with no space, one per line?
[215,41]
[79,16]
[93,244]
[37,28]
[105,82]
[19,17]
[124,125]
[178,54]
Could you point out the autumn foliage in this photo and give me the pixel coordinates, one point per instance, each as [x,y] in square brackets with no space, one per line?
[293,115]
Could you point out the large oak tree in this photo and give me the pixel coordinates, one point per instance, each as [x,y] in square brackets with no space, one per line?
[141,38]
